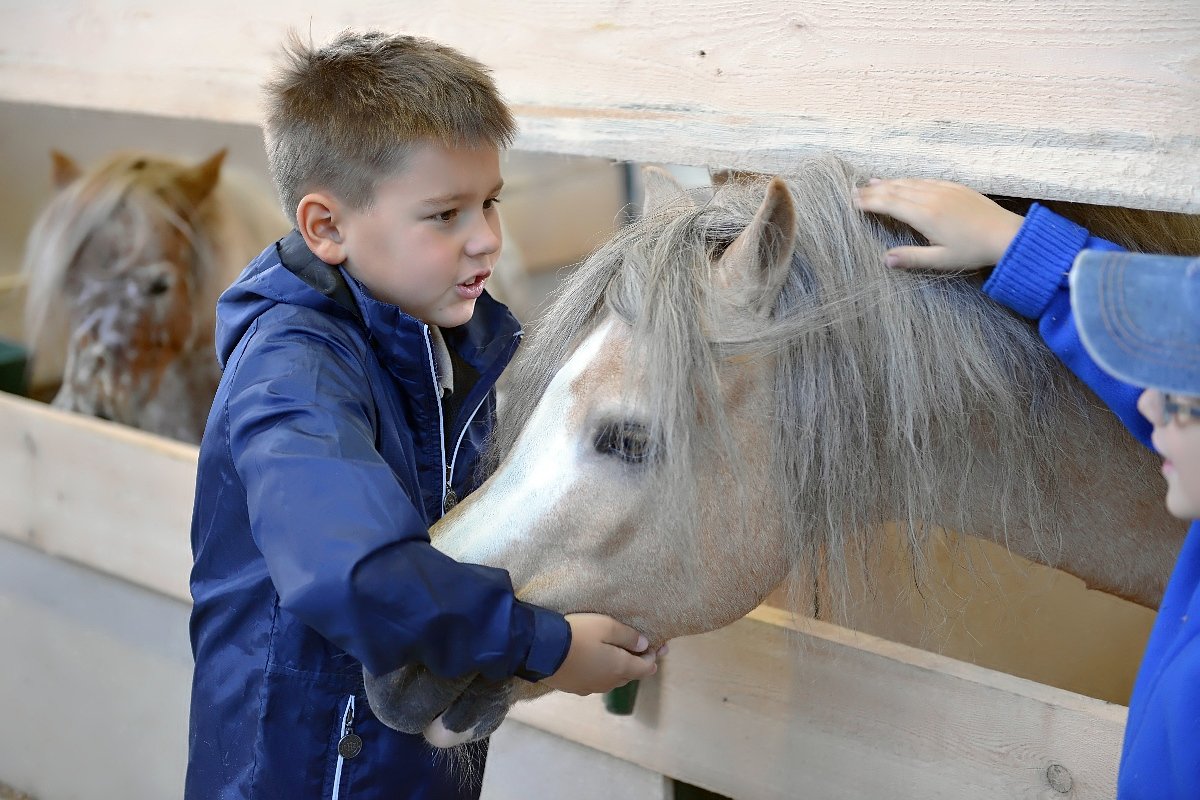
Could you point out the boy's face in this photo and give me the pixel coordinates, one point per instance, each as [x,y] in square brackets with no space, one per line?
[1178,440]
[430,239]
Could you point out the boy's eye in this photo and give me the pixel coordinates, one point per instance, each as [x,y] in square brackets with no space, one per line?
[491,202]
[447,216]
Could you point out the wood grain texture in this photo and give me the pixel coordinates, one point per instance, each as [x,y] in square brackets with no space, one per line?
[754,710]
[772,708]
[97,493]
[1096,100]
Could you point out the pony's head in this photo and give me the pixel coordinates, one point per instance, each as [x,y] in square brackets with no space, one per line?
[116,267]
[732,388]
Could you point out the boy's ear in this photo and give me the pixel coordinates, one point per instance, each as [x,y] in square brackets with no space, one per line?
[317,220]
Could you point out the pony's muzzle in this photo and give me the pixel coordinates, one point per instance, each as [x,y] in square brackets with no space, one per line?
[447,712]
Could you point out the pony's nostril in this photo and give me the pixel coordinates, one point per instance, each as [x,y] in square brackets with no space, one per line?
[159,286]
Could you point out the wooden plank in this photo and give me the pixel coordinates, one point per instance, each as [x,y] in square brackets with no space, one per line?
[772,707]
[753,710]
[97,493]
[526,763]
[1096,100]
[96,683]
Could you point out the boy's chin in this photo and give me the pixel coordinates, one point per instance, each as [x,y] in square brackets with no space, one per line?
[457,314]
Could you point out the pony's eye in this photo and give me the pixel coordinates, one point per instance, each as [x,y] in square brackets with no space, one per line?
[628,441]
[159,286]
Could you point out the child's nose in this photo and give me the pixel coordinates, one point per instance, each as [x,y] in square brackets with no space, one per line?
[1150,405]
[485,238]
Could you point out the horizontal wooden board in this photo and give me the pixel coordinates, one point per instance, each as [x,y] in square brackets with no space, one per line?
[1096,100]
[97,493]
[754,710]
[773,708]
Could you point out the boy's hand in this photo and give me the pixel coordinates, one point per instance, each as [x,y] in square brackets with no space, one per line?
[965,229]
[602,656]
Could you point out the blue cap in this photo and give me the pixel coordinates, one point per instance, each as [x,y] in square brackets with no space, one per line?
[1139,317]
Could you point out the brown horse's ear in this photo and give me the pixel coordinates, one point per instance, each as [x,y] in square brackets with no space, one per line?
[660,189]
[196,183]
[755,266]
[64,170]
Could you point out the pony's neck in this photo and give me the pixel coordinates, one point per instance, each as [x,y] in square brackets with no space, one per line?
[1103,518]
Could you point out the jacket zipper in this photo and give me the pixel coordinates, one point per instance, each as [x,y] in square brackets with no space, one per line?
[449,498]
[446,490]
[349,745]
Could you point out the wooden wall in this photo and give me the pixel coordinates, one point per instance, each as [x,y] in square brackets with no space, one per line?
[1091,100]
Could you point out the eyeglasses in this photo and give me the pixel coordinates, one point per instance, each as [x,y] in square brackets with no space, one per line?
[1183,410]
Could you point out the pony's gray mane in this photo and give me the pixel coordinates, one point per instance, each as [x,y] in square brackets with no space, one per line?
[80,211]
[892,388]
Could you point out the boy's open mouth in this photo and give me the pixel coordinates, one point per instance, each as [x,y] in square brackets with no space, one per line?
[473,288]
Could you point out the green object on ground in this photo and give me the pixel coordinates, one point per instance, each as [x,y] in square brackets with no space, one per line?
[14,359]
[620,701]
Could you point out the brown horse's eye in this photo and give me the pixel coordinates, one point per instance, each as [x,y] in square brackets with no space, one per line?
[628,441]
[159,286]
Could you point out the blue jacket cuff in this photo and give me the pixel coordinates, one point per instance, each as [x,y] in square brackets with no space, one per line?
[548,648]
[1036,263]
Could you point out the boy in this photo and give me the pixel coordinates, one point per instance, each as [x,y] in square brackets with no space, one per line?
[359,356]
[1138,317]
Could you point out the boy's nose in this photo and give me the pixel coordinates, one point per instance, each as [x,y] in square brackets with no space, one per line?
[485,238]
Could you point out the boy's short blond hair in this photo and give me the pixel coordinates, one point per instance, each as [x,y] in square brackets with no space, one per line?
[343,117]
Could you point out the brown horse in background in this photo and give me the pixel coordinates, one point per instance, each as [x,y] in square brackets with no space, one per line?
[124,267]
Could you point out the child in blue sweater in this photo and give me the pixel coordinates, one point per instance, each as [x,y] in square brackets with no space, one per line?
[1119,321]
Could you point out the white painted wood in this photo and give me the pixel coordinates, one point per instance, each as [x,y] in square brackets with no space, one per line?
[525,763]
[94,683]
[753,711]
[1094,100]
[98,493]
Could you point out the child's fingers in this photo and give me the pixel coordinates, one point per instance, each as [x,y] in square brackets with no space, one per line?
[895,199]
[626,638]
[636,667]
[933,258]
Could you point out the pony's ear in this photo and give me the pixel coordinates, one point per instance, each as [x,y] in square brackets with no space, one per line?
[63,169]
[660,189]
[755,266]
[196,183]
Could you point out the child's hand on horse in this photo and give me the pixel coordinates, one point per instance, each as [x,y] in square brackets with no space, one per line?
[965,230]
[604,654]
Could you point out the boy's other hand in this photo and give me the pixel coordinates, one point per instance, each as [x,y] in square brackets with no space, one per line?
[965,230]
[604,654]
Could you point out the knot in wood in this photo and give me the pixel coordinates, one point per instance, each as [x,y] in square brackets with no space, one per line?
[1059,778]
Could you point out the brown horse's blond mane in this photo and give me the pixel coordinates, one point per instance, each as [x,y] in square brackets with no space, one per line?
[894,390]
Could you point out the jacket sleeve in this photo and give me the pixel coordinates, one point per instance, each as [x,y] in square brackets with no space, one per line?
[346,549]
[1031,279]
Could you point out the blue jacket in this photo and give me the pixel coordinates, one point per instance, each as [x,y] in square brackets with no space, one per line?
[1160,758]
[327,455]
